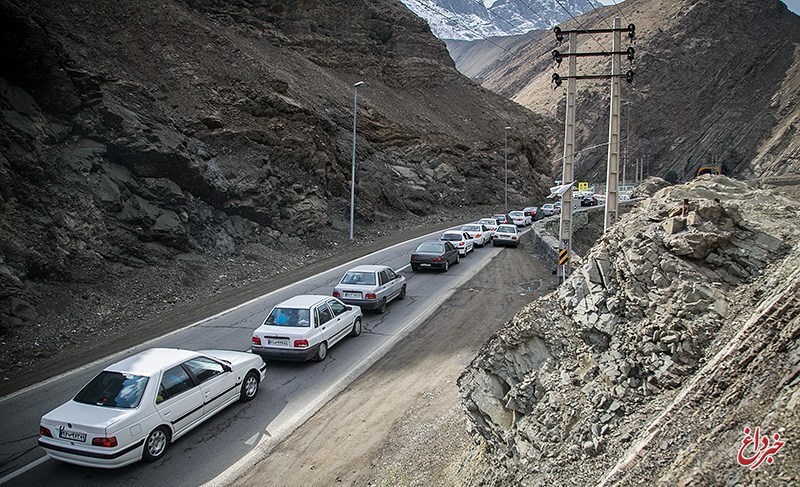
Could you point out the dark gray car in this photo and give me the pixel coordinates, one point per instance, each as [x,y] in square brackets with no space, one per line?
[434,255]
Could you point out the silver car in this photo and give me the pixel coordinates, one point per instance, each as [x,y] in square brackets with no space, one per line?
[370,287]
[506,235]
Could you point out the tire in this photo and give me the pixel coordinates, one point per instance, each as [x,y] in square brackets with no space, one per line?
[458,258]
[494,244]
[249,387]
[446,266]
[382,307]
[322,352]
[414,268]
[155,446]
[402,294]
[356,328]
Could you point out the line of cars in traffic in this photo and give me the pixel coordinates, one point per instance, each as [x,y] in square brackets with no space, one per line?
[135,408]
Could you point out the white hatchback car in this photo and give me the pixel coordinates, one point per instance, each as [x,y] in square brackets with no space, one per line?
[370,287]
[489,223]
[135,408]
[305,327]
[460,240]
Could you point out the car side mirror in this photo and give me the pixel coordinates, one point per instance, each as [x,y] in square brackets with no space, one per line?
[227,368]
[348,308]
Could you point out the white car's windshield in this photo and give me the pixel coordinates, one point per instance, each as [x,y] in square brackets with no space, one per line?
[288,317]
[113,390]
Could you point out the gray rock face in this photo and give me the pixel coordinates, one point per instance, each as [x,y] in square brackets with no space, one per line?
[232,126]
[576,374]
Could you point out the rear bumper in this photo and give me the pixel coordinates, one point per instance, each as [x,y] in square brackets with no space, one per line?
[93,458]
[506,241]
[429,265]
[362,303]
[294,355]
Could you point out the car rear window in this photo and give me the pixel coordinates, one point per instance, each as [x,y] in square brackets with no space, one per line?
[113,390]
[430,248]
[293,317]
[359,278]
[516,213]
[507,229]
[471,228]
[452,237]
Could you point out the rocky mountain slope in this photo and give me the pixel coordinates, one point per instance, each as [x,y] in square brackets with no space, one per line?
[679,331]
[150,138]
[713,83]
[479,19]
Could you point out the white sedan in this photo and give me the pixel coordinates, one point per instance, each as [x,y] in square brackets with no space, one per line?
[480,233]
[460,240]
[519,218]
[135,408]
[305,327]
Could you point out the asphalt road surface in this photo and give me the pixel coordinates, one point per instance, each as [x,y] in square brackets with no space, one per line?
[291,393]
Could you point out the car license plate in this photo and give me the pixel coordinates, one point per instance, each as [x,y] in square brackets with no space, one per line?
[352,295]
[425,265]
[280,342]
[71,435]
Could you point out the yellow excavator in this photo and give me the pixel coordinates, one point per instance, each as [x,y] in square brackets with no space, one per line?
[708,169]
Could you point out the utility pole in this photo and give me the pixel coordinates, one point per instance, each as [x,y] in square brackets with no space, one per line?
[612,169]
[612,176]
[505,186]
[568,168]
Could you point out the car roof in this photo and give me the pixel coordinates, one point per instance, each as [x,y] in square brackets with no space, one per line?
[367,268]
[302,301]
[515,211]
[529,208]
[150,362]
[457,232]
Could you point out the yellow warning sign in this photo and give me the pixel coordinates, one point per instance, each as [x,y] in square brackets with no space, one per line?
[563,256]
[583,186]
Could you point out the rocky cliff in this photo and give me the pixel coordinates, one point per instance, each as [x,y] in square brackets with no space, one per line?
[714,82]
[135,133]
[678,331]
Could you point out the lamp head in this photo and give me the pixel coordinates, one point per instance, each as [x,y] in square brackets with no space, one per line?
[356,85]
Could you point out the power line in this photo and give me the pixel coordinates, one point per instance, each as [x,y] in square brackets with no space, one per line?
[620,11]
[591,4]
[538,42]
[580,24]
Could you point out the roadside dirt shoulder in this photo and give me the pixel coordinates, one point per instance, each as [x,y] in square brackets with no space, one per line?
[401,422]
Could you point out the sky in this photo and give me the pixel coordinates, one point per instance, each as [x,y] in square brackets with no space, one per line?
[794,5]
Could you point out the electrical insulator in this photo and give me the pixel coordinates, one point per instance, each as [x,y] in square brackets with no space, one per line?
[632,32]
[557,57]
[556,80]
[629,76]
[631,52]
[559,35]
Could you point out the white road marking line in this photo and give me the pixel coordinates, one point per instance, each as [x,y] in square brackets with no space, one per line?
[24,469]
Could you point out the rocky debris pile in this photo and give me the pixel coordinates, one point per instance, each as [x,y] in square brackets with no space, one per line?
[574,378]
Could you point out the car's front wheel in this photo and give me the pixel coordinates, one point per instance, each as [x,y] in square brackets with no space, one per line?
[458,258]
[322,352]
[249,387]
[156,444]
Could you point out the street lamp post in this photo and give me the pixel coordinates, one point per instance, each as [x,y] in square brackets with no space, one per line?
[353,168]
[505,140]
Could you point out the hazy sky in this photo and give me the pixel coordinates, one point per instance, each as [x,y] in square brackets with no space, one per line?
[794,5]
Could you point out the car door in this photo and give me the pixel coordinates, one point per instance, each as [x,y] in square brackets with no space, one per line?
[217,382]
[469,242]
[342,318]
[450,252]
[397,285]
[386,289]
[179,400]
[325,323]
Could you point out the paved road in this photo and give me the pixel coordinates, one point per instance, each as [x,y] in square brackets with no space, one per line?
[291,393]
